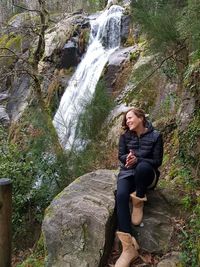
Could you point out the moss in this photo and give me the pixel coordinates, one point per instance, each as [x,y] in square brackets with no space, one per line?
[86,36]
[134,55]
[189,143]
[3,40]
[84,236]
[12,42]
[48,212]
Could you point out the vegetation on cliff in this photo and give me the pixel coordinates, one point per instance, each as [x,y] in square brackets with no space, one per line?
[171,29]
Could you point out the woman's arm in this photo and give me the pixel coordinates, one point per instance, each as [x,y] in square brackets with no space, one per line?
[123,153]
[157,155]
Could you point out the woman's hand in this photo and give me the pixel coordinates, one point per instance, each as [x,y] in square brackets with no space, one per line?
[130,160]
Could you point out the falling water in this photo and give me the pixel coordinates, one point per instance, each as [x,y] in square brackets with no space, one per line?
[104,40]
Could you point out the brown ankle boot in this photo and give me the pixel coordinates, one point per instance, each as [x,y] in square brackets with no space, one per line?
[129,250]
[138,204]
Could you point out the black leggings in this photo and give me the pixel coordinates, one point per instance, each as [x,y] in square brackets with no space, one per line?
[144,176]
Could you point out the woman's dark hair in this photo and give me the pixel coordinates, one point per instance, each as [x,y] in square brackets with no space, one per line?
[138,112]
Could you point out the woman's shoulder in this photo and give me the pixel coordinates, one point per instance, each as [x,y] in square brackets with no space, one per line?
[156,134]
[126,134]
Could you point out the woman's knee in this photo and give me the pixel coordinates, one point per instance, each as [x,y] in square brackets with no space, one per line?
[144,167]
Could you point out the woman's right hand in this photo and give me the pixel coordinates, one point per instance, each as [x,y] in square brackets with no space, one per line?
[130,160]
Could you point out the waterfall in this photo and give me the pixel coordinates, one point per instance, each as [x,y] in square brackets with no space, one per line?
[104,40]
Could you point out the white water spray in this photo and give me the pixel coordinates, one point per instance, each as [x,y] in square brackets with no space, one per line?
[104,40]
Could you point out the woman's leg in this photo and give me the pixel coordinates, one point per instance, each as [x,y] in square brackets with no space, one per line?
[144,176]
[124,188]
[129,244]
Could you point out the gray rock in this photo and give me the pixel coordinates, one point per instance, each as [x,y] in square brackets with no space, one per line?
[157,230]
[78,222]
[115,65]
[125,27]
[69,57]
[18,100]
[4,118]
[4,96]
[19,20]
[170,260]
[126,2]
[186,110]
[56,37]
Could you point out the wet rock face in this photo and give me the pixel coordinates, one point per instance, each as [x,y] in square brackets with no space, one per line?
[125,27]
[115,66]
[4,118]
[19,97]
[78,222]
[69,56]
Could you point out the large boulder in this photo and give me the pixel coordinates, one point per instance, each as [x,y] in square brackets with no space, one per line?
[80,222]
[65,44]
[57,36]
[78,226]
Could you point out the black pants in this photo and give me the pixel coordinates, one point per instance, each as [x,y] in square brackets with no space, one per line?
[144,176]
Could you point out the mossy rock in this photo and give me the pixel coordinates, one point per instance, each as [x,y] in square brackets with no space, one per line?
[12,42]
[24,18]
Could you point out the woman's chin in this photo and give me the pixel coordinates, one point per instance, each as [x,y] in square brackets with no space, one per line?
[131,128]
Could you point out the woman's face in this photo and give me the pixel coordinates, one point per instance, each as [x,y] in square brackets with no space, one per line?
[132,121]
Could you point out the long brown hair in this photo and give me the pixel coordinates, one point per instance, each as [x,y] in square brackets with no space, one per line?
[138,112]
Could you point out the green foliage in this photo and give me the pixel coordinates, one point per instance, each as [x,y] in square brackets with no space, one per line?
[189,26]
[96,5]
[37,166]
[169,24]
[10,41]
[190,235]
[169,69]
[13,165]
[158,19]
[37,173]
[95,113]
[189,142]
[181,180]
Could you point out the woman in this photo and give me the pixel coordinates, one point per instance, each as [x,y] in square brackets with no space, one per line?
[140,155]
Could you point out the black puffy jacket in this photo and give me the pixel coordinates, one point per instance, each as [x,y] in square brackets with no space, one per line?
[148,147]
